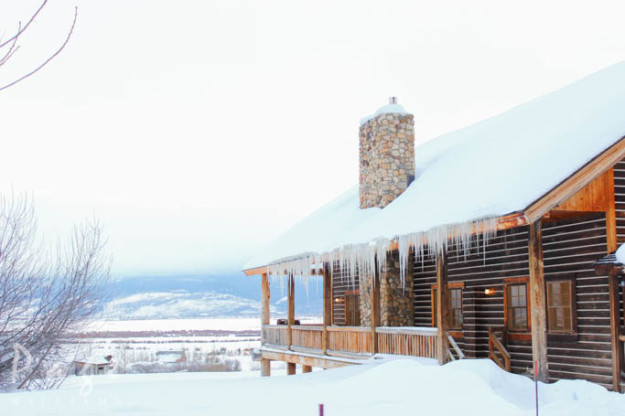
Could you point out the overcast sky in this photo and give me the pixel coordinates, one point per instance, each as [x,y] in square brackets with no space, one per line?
[198,130]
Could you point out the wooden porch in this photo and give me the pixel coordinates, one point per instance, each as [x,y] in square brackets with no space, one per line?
[336,346]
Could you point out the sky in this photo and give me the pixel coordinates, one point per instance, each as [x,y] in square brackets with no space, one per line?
[197,131]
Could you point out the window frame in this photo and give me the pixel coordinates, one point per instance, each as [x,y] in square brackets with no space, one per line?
[524,334]
[455,332]
[573,305]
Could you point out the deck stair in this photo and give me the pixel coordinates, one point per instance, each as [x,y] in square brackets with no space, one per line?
[496,347]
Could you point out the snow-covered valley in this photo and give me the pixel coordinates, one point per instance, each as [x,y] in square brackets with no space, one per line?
[183,297]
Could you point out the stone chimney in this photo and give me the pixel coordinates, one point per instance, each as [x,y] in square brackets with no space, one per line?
[387,164]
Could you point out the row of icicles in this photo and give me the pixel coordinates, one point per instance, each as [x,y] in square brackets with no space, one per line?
[362,259]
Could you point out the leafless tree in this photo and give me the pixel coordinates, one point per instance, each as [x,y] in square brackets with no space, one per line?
[9,47]
[44,293]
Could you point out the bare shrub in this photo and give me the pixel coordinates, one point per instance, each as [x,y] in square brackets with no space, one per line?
[44,293]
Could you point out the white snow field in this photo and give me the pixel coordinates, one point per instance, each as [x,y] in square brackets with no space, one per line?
[386,387]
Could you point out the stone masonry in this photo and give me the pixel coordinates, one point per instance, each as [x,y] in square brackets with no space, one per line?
[386,158]
[396,300]
[387,167]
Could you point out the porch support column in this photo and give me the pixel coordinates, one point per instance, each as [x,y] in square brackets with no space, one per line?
[375,306]
[442,307]
[610,214]
[265,365]
[537,301]
[291,311]
[327,305]
[615,330]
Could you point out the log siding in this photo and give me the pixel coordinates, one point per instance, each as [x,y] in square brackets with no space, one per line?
[571,247]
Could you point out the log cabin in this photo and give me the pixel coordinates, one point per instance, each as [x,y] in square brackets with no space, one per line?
[481,243]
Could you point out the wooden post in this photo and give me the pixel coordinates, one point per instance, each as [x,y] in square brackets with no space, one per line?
[327,305]
[537,301]
[291,311]
[442,307]
[265,367]
[375,306]
[290,369]
[610,214]
[615,330]
[306,369]
[264,309]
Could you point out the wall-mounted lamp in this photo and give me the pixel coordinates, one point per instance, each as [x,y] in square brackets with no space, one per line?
[489,292]
[338,300]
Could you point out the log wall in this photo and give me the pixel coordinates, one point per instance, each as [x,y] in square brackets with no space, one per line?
[504,256]
[570,248]
[483,267]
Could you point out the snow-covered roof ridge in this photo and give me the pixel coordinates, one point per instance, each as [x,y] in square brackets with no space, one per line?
[488,170]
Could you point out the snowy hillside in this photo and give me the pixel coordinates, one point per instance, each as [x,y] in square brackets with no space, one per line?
[401,387]
[180,304]
[177,297]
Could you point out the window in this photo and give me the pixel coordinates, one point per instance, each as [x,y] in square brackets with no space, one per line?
[352,308]
[560,305]
[516,306]
[456,309]
[456,318]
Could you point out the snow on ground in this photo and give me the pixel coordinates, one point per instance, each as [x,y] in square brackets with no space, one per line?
[388,387]
[162,325]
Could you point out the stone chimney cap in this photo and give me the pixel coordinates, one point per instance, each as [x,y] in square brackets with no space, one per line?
[391,108]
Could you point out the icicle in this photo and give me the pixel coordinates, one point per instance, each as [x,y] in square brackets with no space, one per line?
[358,261]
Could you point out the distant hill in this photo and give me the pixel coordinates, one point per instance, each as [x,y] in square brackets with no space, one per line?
[228,295]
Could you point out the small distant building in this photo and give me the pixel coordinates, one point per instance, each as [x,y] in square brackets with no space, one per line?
[172,356]
[93,366]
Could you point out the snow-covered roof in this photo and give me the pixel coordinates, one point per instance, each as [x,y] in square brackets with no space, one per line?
[94,359]
[490,169]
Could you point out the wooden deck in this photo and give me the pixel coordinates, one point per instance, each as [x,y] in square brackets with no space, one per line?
[335,346]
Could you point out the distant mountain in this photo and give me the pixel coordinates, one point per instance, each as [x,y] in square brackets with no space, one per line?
[230,295]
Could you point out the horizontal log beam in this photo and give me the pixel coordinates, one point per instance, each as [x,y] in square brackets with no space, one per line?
[307,359]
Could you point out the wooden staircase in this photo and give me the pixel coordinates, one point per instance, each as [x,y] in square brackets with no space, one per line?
[454,348]
[496,347]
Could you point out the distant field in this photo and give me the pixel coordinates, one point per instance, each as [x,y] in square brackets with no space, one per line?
[166,325]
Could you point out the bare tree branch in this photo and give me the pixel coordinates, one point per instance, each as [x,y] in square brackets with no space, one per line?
[22,30]
[58,51]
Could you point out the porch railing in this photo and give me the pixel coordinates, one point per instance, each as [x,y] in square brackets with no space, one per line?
[412,341]
[350,339]
[496,350]
[417,342]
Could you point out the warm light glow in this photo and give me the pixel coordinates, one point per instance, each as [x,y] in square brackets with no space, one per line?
[338,300]
[489,292]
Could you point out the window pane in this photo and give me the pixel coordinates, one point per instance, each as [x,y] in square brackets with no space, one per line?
[560,305]
[517,307]
[456,309]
